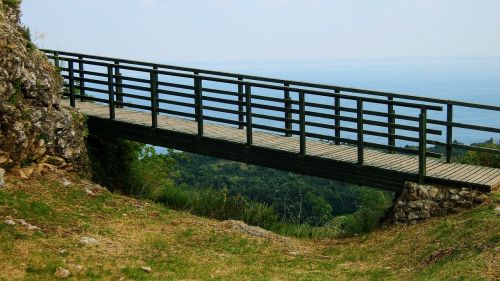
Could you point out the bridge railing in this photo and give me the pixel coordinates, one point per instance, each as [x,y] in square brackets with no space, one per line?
[279,106]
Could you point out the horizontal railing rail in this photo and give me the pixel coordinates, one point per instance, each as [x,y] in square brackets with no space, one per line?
[300,108]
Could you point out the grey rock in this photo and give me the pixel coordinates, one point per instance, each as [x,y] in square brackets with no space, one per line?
[420,202]
[28,225]
[62,273]
[424,214]
[146,268]
[413,216]
[32,122]
[88,241]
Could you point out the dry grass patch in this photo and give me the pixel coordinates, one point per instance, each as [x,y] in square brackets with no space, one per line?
[178,246]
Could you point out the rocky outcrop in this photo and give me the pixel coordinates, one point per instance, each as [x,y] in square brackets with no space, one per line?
[420,202]
[36,133]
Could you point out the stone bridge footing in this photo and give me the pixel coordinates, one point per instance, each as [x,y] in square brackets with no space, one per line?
[420,202]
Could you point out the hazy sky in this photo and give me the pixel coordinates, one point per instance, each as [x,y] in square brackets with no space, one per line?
[281,30]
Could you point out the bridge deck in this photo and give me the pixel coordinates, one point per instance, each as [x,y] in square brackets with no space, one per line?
[468,175]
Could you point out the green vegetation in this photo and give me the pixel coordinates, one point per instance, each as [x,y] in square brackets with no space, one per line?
[14,98]
[286,203]
[283,202]
[483,158]
[469,156]
[26,32]
[11,3]
[179,246]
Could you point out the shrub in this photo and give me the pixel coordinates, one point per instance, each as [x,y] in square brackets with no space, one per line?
[260,215]
[176,198]
[483,158]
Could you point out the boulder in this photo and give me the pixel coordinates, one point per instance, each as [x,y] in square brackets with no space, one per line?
[33,124]
[62,273]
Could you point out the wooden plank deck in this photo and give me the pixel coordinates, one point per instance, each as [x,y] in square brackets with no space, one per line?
[436,169]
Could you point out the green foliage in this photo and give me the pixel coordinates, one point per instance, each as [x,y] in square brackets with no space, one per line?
[152,172]
[218,205]
[43,136]
[11,3]
[14,98]
[26,32]
[30,46]
[483,158]
[284,202]
[372,209]
[26,162]
[137,170]
[297,199]
[80,119]
[112,161]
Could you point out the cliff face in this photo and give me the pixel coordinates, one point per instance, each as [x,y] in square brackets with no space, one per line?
[36,132]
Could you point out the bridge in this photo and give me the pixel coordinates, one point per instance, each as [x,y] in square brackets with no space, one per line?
[333,132]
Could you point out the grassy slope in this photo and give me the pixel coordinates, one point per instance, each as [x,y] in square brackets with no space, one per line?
[177,245]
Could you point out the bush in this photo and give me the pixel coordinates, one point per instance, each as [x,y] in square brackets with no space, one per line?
[175,198]
[372,209]
[483,158]
[260,215]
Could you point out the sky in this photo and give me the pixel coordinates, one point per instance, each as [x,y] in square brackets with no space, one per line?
[188,31]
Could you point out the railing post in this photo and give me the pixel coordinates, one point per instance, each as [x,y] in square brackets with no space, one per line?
[155,68]
[111,94]
[359,108]
[449,131]
[82,78]
[118,87]
[391,130]
[71,74]
[337,119]
[199,104]
[56,61]
[154,97]
[248,110]
[422,146]
[302,117]
[196,113]
[241,114]
[288,113]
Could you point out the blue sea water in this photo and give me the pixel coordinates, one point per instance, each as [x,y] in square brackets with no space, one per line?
[475,80]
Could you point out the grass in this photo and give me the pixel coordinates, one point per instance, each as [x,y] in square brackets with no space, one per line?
[178,245]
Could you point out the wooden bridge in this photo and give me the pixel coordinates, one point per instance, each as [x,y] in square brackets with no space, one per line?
[333,132]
